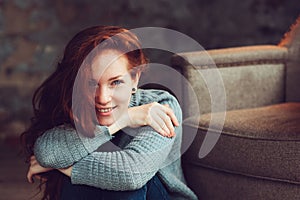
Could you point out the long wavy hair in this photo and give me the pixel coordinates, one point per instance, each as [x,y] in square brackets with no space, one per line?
[52,101]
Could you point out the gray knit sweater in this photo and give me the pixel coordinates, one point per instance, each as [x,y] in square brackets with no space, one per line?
[136,158]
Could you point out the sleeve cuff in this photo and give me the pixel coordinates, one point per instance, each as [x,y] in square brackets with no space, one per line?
[75,175]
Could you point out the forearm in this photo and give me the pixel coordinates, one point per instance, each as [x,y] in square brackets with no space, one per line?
[61,147]
[128,169]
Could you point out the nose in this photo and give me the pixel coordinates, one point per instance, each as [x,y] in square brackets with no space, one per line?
[103,96]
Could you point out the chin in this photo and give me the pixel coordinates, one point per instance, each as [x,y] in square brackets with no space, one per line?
[105,123]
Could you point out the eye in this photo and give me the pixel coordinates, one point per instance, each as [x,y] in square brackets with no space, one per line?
[116,82]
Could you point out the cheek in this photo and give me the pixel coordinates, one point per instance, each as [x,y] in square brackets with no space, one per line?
[122,95]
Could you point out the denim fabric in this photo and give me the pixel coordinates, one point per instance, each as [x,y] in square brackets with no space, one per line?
[153,190]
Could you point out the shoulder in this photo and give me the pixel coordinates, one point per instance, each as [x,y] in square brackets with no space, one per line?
[66,128]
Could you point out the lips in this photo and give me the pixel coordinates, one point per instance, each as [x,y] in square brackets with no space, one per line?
[105,110]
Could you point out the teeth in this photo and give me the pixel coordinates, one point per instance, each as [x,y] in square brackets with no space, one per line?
[105,110]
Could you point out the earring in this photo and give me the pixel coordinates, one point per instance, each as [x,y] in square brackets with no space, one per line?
[133,90]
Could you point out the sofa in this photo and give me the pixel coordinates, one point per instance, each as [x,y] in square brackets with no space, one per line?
[255,139]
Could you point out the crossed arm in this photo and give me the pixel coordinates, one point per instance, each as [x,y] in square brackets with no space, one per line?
[127,169]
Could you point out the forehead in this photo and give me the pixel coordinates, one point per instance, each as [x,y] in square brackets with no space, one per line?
[109,63]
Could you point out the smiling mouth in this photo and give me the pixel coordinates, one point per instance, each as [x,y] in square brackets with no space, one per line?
[105,110]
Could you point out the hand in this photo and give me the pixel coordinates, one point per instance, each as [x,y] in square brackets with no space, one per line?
[67,171]
[160,117]
[34,169]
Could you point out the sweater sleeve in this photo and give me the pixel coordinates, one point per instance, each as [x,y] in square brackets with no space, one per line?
[132,167]
[62,146]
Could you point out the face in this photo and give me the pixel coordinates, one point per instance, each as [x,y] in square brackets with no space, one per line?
[113,82]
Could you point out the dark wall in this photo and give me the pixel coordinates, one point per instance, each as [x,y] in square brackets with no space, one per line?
[34,32]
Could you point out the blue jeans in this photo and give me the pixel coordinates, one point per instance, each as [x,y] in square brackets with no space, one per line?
[153,190]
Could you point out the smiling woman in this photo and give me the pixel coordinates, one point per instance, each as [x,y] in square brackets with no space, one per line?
[114,86]
[71,126]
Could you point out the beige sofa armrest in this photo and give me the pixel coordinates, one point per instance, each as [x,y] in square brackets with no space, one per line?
[236,56]
[253,76]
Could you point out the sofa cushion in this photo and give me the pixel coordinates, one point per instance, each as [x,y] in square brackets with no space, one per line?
[256,157]
[260,142]
[277,122]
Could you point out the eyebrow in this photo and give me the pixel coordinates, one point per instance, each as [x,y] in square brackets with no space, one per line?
[110,79]
[115,77]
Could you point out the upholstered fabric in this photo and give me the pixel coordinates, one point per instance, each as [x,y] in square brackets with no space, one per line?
[257,154]
[252,76]
[211,184]
[227,57]
[278,122]
[244,87]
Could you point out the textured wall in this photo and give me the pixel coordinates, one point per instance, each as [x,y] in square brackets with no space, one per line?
[34,32]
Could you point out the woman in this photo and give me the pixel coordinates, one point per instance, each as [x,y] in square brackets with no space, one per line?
[106,138]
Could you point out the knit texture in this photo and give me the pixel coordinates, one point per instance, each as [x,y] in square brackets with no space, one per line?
[128,168]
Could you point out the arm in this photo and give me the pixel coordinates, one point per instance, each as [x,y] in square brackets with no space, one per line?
[62,146]
[132,167]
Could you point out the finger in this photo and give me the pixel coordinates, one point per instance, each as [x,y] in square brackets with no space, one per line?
[158,128]
[29,177]
[166,122]
[33,163]
[165,128]
[171,114]
[170,126]
[32,158]
[159,119]
[157,115]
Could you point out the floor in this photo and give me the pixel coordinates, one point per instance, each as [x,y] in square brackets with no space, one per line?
[13,183]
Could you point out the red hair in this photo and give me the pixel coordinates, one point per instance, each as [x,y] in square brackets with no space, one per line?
[52,101]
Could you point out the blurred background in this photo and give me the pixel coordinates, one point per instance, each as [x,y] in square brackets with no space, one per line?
[33,34]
